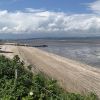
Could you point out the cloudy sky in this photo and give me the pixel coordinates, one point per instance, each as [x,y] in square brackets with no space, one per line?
[49,18]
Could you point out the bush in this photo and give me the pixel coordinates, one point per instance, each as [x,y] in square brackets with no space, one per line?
[18,83]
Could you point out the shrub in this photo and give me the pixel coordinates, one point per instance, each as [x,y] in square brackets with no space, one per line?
[18,83]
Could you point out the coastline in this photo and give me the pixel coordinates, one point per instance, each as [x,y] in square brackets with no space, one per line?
[73,76]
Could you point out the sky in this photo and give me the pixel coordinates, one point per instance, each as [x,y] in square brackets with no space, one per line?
[49,18]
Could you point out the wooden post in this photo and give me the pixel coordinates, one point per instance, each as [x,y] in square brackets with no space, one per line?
[15,81]
[16,74]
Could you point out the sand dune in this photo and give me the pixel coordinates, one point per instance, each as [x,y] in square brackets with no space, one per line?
[73,76]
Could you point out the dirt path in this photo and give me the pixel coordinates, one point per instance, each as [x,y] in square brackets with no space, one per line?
[72,75]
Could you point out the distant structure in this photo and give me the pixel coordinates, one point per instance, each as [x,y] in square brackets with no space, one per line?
[23,44]
[10,43]
[16,44]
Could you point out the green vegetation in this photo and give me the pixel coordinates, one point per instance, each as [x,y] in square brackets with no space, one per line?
[17,83]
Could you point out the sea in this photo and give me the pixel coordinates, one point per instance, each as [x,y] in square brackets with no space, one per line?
[85,51]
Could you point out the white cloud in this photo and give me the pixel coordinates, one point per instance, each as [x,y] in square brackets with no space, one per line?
[39,21]
[95,6]
[33,10]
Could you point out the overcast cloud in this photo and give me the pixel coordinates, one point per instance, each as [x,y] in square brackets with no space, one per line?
[41,21]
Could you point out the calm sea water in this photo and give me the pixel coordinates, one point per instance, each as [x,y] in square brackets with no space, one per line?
[85,52]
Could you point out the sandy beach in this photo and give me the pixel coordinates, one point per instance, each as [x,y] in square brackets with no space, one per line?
[71,75]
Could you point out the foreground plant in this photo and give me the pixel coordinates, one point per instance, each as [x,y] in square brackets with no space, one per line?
[18,83]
